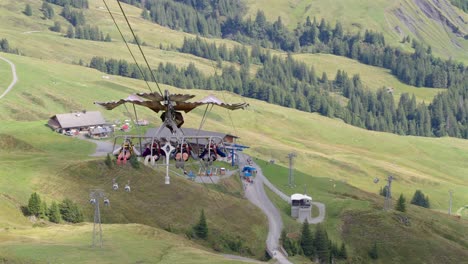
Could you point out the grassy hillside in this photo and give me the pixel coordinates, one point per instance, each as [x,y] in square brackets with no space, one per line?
[31,35]
[57,167]
[122,244]
[33,38]
[326,147]
[427,21]
[357,219]
[373,77]
[5,74]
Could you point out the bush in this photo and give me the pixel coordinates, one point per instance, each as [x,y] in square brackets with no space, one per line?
[57,27]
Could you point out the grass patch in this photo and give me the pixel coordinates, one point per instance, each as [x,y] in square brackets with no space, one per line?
[357,219]
[122,243]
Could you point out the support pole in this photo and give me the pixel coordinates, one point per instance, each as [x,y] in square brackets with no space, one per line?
[388,196]
[291,176]
[167,148]
[96,195]
[232,157]
[450,203]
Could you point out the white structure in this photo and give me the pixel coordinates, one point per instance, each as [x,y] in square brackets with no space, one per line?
[301,208]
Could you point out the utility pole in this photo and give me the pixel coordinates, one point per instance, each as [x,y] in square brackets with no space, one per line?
[388,196]
[291,176]
[95,195]
[450,202]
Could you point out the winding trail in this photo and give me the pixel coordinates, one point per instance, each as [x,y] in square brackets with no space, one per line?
[255,192]
[15,77]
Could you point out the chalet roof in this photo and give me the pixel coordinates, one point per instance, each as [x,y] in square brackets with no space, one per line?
[80,119]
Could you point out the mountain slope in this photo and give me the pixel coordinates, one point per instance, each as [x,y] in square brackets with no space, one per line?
[432,22]
[326,147]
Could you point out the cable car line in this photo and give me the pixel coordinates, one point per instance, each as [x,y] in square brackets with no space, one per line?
[128,47]
[139,46]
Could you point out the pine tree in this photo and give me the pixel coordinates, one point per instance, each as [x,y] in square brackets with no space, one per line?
[28,10]
[373,253]
[57,27]
[420,200]
[343,254]
[43,213]
[401,206]
[70,211]
[307,241]
[322,244]
[54,213]
[70,32]
[34,204]
[201,229]
[383,191]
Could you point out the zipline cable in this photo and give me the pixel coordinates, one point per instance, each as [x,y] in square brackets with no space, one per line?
[141,50]
[128,47]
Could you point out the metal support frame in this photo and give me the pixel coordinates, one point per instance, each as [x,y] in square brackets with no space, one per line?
[95,196]
[388,196]
[291,182]
[450,202]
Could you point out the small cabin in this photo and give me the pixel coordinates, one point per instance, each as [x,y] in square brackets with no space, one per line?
[301,207]
[78,121]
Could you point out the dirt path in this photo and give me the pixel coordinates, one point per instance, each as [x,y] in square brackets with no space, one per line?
[15,77]
[255,193]
[102,147]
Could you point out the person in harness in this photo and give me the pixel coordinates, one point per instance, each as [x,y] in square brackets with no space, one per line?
[214,150]
[182,152]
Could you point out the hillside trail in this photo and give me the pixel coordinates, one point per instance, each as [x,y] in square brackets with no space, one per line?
[15,77]
[103,147]
[255,193]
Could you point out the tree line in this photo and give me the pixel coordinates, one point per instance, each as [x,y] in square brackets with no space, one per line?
[419,68]
[462,4]
[290,83]
[78,28]
[446,115]
[199,17]
[315,246]
[75,3]
[67,210]
[87,32]
[217,18]
[5,47]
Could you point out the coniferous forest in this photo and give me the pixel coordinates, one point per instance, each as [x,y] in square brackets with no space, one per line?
[290,83]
